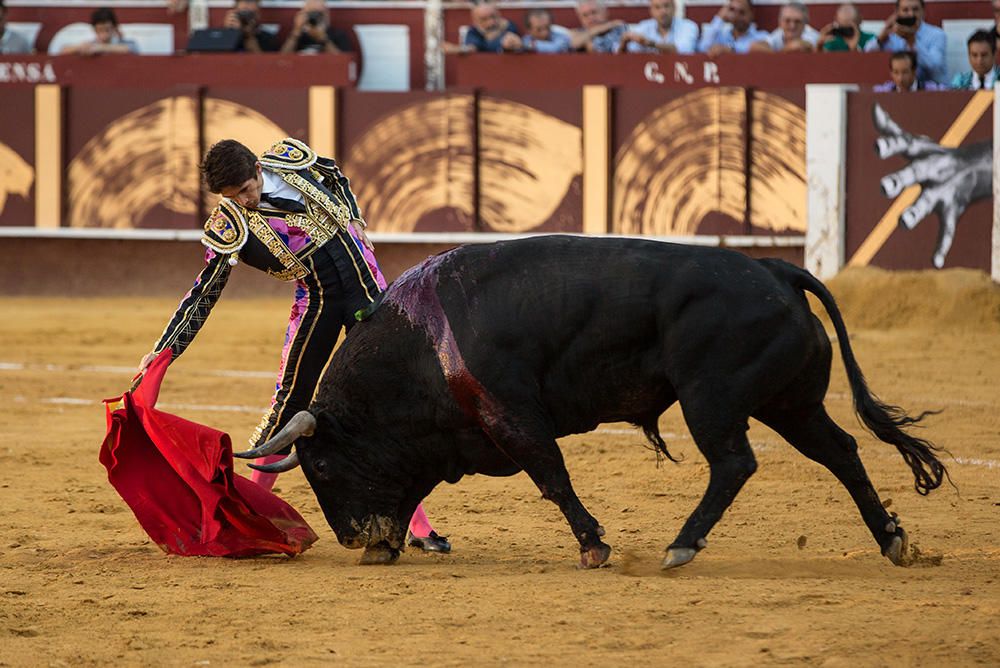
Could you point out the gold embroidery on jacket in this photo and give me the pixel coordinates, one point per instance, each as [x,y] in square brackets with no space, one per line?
[260,228]
[226,228]
[288,154]
[335,210]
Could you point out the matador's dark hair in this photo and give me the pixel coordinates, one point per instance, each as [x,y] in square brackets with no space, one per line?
[228,163]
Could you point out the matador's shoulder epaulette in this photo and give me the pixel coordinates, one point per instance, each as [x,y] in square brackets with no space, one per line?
[226,228]
[288,154]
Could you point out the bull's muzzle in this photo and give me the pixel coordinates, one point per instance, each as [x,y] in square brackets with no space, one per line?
[374,530]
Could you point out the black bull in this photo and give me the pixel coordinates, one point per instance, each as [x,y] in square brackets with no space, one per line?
[478,359]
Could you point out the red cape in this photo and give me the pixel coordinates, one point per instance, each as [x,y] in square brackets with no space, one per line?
[177,477]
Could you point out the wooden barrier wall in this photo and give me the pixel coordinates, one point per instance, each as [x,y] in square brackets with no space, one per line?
[653,161]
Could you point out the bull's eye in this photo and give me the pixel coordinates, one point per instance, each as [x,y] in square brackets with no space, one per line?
[320,466]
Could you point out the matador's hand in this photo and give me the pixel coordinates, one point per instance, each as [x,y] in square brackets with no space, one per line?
[146,361]
[950,178]
[359,230]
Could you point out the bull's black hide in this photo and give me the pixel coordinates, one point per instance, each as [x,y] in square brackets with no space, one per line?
[479,358]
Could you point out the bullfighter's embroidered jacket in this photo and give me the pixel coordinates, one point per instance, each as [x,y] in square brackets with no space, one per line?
[278,242]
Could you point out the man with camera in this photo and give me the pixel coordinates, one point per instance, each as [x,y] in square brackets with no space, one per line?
[312,33]
[245,17]
[845,33]
[905,30]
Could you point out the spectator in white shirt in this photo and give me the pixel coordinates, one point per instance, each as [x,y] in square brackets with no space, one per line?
[793,32]
[664,32]
[107,36]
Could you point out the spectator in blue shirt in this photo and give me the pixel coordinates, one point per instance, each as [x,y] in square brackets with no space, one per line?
[732,30]
[905,30]
[982,59]
[663,33]
[540,37]
[596,33]
[10,41]
[489,32]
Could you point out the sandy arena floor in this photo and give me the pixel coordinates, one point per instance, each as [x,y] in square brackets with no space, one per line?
[791,576]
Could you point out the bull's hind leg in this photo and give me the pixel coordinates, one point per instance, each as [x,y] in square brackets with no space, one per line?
[534,449]
[731,463]
[813,433]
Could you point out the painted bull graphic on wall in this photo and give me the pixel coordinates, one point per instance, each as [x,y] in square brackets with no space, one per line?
[477,360]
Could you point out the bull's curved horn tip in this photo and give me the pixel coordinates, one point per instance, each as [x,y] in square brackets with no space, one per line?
[247,454]
[286,464]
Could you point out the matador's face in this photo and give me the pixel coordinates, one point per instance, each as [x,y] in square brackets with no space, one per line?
[247,193]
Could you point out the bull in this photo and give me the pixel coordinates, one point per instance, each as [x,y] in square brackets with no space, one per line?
[478,359]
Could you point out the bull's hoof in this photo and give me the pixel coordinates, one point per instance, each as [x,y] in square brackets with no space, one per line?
[678,556]
[595,557]
[380,554]
[898,549]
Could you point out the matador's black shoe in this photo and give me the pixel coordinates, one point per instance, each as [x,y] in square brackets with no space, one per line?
[432,543]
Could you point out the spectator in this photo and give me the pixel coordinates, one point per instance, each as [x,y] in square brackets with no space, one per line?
[982,58]
[845,33]
[107,36]
[596,33]
[663,33]
[312,33]
[10,41]
[489,32]
[996,20]
[540,37]
[903,70]
[732,30]
[905,30]
[793,32]
[245,16]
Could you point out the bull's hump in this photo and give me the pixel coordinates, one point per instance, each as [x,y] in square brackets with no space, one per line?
[414,293]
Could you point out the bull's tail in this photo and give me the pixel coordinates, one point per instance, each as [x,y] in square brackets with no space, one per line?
[885,421]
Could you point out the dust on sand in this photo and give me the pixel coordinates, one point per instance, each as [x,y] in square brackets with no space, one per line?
[790,575]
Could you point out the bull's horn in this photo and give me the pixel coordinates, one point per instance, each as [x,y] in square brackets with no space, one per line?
[286,464]
[302,423]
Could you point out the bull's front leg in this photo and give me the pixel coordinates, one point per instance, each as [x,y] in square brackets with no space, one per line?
[593,551]
[539,456]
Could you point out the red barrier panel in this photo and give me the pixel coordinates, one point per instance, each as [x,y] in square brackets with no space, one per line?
[919,187]
[768,70]
[223,69]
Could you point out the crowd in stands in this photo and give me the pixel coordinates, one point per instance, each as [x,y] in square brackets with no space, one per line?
[311,32]
[913,44]
[916,62]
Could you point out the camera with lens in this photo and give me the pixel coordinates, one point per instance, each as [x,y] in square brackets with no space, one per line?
[846,32]
[314,18]
[906,20]
[246,17]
